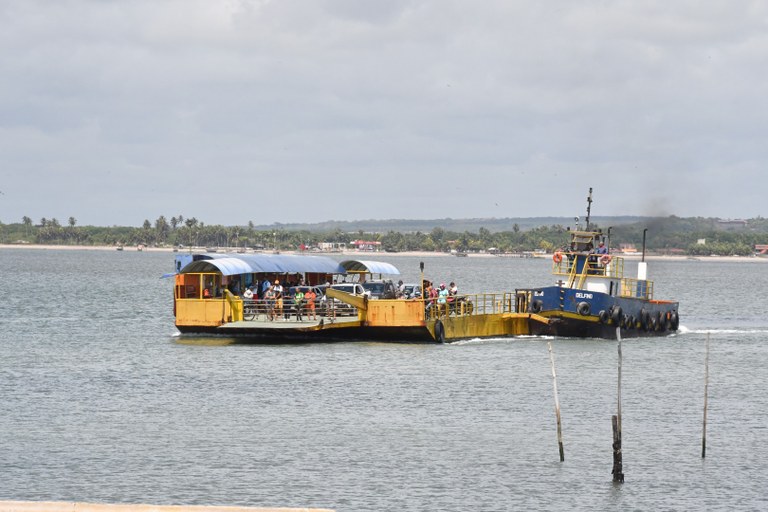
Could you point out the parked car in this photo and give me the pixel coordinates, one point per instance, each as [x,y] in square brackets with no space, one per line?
[351,288]
[384,289]
[412,291]
[342,308]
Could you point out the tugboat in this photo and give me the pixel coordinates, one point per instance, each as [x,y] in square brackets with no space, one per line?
[592,298]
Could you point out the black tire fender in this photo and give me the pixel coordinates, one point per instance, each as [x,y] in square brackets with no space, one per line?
[536,306]
[674,320]
[645,319]
[583,308]
[616,315]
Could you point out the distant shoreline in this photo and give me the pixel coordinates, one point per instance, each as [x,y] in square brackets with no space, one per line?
[368,254]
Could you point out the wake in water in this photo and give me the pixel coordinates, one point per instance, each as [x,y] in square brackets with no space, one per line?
[504,339]
[685,330]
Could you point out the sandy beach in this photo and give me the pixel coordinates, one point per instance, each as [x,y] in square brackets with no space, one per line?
[369,254]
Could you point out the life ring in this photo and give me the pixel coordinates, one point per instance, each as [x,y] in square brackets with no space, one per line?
[439,332]
[583,308]
[605,259]
[557,257]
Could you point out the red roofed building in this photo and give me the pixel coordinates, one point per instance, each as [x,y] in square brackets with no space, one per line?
[364,245]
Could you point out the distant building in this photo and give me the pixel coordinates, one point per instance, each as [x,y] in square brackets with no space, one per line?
[332,246]
[364,245]
[732,224]
[627,248]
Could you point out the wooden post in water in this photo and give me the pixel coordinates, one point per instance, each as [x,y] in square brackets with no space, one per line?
[706,392]
[557,404]
[618,470]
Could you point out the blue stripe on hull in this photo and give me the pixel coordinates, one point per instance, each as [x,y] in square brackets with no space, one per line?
[586,314]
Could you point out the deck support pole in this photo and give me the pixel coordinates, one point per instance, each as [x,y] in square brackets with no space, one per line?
[557,403]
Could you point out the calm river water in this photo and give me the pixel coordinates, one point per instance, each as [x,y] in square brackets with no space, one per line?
[101,401]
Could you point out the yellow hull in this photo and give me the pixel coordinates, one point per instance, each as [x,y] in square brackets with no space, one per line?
[475,316]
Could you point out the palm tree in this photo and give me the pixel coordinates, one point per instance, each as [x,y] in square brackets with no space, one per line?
[161,226]
[27,223]
[72,222]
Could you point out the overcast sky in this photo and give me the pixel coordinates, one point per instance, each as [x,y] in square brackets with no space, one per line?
[114,112]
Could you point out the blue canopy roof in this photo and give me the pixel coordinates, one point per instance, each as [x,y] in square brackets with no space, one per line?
[373,267]
[233,264]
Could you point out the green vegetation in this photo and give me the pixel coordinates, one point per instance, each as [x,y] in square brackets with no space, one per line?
[670,235]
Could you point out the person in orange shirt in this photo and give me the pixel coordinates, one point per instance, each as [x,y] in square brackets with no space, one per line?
[309,298]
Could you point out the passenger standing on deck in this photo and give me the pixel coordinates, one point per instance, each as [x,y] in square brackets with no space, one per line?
[278,291]
[298,300]
[601,249]
[310,297]
[430,294]
[269,302]
[442,298]
[453,293]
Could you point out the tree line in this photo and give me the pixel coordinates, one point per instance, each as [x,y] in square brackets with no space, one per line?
[664,235]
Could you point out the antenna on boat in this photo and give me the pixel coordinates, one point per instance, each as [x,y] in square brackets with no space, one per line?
[589,206]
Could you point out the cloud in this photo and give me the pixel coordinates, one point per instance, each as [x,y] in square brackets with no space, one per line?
[158,108]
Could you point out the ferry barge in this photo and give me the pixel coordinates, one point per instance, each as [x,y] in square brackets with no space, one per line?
[592,297]
[207,302]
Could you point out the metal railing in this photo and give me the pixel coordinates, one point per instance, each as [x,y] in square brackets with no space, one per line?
[270,309]
[636,288]
[468,305]
[592,267]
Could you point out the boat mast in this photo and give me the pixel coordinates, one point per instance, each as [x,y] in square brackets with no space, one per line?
[589,206]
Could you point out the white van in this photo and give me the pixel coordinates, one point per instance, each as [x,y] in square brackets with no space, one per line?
[350,288]
[342,308]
